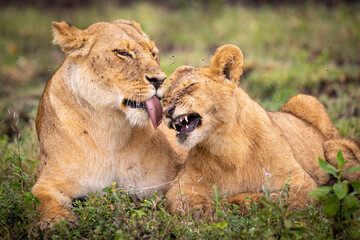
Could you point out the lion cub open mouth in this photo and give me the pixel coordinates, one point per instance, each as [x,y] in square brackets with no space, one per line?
[186,123]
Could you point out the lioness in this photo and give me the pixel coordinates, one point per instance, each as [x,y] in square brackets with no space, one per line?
[93,121]
[235,143]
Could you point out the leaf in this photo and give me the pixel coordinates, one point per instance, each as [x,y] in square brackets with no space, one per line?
[4,204]
[356,186]
[340,189]
[351,202]
[23,157]
[332,206]
[36,201]
[221,225]
[340,159]
[352,169]
[301,229]
[271,205]
[320,192]
[297,214]
[287,223]
[28,194]
[16,185]
[327,167]
[9,159]
[28,200]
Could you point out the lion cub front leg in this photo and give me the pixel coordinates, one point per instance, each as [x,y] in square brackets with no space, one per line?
[54,206]
[190,198]
[243,199]
[300,187]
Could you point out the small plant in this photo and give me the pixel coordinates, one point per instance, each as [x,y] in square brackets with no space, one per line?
[285,224]
[339,200]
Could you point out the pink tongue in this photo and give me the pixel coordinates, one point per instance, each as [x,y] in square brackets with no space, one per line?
[154,109]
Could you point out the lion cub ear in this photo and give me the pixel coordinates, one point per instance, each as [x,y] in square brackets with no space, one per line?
[73,41]
[228,60]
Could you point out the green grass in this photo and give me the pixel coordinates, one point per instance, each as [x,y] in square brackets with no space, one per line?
[287,49]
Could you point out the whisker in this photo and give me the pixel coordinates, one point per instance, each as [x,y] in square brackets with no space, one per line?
[133,96]
[138,98]
[129,98]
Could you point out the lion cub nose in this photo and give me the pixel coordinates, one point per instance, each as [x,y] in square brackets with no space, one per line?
[169,111]
[156,80]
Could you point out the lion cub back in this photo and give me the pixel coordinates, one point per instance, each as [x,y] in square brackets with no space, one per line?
[306,143]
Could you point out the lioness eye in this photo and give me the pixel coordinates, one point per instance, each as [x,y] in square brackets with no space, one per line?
[154,54]
[123,53]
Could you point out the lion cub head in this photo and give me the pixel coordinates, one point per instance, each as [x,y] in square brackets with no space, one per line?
[114,65]
[201,99]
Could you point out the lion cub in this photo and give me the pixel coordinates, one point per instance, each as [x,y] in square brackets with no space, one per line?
[235,143]
[93,121]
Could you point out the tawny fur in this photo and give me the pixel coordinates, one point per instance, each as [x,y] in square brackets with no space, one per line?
[238,142]
[351,152]
[88,137]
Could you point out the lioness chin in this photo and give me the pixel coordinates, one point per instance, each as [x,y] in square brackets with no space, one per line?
[234,143]
[93,121]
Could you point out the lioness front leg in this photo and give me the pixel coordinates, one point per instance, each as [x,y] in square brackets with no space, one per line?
[54,206]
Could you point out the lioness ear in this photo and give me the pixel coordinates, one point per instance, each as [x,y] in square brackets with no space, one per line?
[228,60]
[73,41]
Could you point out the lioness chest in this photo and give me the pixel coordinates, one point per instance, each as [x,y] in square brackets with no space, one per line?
[96,151]
[102,162]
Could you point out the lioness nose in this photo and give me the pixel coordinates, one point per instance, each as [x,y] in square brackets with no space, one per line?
[157,80]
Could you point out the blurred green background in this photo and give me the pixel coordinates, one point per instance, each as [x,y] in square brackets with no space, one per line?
[289,47]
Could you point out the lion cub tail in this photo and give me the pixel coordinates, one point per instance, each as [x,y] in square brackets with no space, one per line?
[312,111]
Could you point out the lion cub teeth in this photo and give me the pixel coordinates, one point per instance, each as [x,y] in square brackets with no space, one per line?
[181,123]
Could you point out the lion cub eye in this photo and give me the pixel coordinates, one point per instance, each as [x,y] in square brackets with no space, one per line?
[154,55]
[123,53]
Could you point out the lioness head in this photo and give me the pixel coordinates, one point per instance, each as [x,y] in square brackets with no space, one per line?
[200,99]
[114,65]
